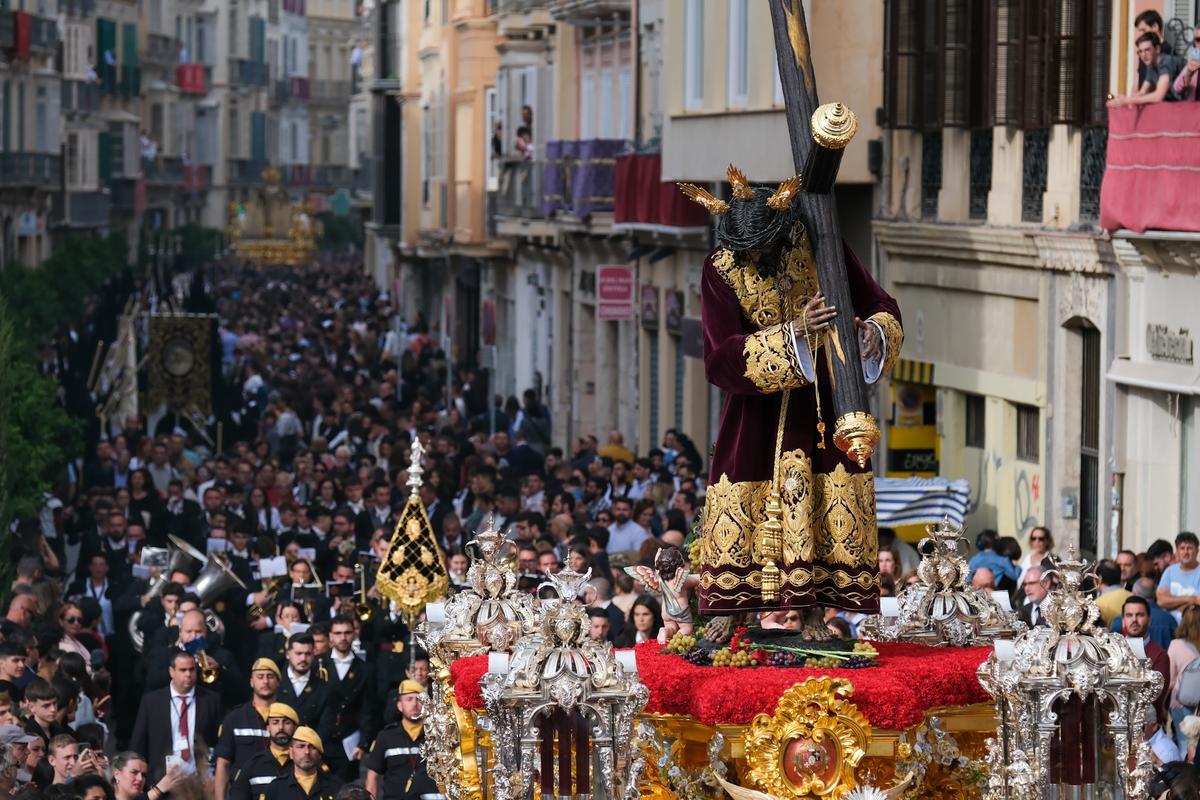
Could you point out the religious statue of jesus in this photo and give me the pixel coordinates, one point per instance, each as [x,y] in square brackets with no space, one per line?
[789,520]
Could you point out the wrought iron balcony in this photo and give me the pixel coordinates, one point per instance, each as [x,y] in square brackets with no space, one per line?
[519,6]
[331,92]
[30,170]
[246,172]
[578,176]
[250,73]
[164,171]
[80,97]
[291,89]
[332,177]
[586,10]
[297,175]
[520,193]
[84,209]
[77,8]
[160,49]
[197,178]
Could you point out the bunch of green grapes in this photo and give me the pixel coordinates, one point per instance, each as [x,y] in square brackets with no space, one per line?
[681,643]
[732,658]
[813,662]
[865,649]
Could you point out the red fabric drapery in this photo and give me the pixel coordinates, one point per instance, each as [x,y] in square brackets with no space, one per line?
[910,680]
[23,34]
[641,196]
[1152,176]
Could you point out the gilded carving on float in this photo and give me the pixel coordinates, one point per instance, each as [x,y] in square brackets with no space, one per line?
[268,228]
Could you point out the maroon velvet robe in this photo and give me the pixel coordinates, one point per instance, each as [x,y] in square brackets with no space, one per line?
[829,541]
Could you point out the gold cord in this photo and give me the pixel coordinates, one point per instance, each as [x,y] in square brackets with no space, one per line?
[812,352]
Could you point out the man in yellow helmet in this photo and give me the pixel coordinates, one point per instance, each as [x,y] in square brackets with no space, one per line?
[306,780]
[395,767]
[268,764]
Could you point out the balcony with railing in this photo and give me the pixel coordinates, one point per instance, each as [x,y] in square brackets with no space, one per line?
[197,177]
[161,50]
[294,89]
[30,170]
[577,177]
[43,35]
[30,34]
[77,8]
[332,178]
[298,176]
[246,172]
[520,192]
[645,202]
[330,92]
[586,10]
[83,209]
[163,171]
[192,78]
[249,73]
[80,97]
[1152,172]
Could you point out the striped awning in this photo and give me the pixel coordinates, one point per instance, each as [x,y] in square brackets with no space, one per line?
[909,501]
[910,371]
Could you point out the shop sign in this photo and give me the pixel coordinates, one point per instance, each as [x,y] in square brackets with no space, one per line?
[614,293]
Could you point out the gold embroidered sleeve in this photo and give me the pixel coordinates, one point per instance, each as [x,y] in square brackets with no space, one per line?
[771,361]
[893,337]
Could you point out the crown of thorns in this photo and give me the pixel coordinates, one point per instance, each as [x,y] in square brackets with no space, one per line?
[753,218]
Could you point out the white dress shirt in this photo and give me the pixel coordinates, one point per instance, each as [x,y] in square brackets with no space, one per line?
[342,664]
[179,743]
[298,681]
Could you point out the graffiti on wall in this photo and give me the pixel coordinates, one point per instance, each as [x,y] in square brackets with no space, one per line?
[1006,497]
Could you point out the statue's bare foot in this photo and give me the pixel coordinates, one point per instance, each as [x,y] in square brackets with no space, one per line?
[814,628]
[719,630]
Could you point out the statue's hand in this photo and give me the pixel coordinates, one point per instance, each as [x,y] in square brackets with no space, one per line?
[816,316]
[870,343]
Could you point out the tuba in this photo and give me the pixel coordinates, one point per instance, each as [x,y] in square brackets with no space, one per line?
[184,558]
[214,580]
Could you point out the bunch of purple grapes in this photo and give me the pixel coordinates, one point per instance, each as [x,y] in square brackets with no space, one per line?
[698,656]
[858,661]
[784,660]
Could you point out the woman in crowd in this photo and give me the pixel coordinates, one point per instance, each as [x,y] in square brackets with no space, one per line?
[646,616]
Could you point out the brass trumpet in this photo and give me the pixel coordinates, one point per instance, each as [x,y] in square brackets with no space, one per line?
[210,670]
[255,611]
[362,608]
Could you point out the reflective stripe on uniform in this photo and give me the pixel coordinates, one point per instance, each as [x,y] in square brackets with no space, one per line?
[262,779]
[433,796]
[250,732]
[401,751]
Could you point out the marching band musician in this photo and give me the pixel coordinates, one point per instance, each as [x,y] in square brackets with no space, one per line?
[348,719]
[242,731]
[226,677]
[267,764]
[395,767]
[303,686]
[307,781]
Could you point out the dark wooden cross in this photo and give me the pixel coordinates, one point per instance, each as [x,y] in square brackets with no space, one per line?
[817,146]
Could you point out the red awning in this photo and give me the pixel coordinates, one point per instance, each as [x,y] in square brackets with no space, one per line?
[1152,176]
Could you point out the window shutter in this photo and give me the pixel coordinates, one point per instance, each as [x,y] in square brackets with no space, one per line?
[1037,29]
[930,108]
[957,63]
[104,157]
[258,136]
[129,45]
[1095,112]
[904,30]
[1067,87]
[981,98]
[1008,46]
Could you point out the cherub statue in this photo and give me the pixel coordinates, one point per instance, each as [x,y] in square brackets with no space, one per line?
[670,580]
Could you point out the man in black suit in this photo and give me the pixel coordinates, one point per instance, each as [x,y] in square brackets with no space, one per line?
[303,686]
[177,719]
[109,542]
[178,515]
[377,514]
[1035,592]
[349,708]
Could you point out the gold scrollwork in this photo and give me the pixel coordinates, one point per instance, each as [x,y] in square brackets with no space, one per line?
[846,506]
[856,435]
[771,361]
[729,521]
[769,301]
[811,745]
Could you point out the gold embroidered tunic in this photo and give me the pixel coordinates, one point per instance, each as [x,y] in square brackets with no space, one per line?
[830,549]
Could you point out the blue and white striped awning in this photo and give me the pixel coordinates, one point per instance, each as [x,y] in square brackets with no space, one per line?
[909,501]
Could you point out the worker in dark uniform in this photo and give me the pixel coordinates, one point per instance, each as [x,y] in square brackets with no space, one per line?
[271,762]
[395,767]
[306,780]
[244,731]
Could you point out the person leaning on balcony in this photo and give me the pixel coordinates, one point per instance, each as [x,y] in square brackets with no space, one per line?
[1155,87]
[1187,83]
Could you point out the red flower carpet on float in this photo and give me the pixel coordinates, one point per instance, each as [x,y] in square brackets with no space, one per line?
[910,680]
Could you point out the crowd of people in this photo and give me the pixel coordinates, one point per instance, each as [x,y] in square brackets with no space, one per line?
[126,675]
[1162,75]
